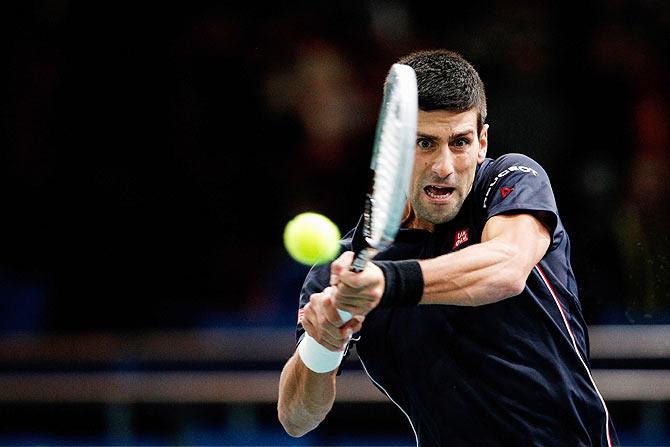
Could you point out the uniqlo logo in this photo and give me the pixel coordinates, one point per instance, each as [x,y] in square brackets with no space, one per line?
[460,237]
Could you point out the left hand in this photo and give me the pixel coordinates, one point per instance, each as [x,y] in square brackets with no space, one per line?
[357,293]
[322,322]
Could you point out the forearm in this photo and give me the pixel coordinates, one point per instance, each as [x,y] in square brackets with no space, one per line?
[305,397]
[483,273]
[480,274]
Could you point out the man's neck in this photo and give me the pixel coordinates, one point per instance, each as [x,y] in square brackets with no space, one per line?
[420,224]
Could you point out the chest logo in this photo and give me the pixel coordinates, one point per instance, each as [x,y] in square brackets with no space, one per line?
[504,192]
[460,237]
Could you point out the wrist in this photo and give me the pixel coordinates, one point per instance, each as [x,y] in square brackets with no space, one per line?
[403,283]
[316,357]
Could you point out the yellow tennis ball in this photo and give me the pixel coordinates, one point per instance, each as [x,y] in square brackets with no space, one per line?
[312,238]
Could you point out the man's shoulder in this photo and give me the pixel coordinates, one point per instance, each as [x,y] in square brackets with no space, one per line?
[494,168]
[511,159]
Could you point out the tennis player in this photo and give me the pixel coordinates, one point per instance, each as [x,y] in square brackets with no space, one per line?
[470,322]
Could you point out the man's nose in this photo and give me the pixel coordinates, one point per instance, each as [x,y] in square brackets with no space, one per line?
[443,163]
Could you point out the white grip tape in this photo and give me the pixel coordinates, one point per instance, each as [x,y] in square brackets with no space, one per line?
[316,357]
[344,315]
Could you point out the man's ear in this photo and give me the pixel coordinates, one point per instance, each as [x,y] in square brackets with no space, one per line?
[483,143]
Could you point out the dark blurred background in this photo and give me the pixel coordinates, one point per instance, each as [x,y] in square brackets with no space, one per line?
[151,153]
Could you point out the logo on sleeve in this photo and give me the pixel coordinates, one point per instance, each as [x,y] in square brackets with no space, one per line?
[523,169]
[460,237]
[504,192]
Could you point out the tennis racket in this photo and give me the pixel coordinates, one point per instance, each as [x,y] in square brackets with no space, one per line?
[391,165]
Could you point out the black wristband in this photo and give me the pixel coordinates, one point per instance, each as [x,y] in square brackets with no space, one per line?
[403,283]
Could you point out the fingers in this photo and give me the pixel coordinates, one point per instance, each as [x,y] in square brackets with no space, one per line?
[326,341]
[352,326]
[330,340]
[340,265]
[354,301]
[359,293]
[322,322]
[356,305]
[361,280]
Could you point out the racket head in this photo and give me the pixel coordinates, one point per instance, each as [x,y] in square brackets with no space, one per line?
[392,157]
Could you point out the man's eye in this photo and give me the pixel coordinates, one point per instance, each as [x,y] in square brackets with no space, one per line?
[461,142]
[423,143]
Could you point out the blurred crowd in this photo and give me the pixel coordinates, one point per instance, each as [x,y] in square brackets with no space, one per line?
[151,154]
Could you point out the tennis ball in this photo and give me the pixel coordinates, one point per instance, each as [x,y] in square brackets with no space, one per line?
[312,238]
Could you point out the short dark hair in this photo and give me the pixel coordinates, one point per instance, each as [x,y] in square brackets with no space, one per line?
[447,81]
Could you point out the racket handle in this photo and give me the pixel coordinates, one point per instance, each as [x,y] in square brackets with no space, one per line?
[316,357]
[344,315]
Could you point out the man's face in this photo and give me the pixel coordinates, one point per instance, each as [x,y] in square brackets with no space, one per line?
[448,150]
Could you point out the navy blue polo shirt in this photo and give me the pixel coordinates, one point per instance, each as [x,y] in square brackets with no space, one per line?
[515,372]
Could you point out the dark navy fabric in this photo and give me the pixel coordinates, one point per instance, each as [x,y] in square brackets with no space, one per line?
[504,374]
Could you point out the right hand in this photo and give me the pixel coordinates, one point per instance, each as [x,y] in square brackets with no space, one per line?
[357,292]
[322,322]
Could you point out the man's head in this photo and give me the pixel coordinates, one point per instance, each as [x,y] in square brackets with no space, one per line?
[446,81]
[451,135]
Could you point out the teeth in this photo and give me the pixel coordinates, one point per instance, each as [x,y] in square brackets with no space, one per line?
[437,196]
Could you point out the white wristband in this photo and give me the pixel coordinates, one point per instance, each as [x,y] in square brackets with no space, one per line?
[316,357]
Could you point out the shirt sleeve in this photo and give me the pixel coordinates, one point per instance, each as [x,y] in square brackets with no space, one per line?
[317,279]
[516,183]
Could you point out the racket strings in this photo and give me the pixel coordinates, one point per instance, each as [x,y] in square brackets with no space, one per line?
[388,165]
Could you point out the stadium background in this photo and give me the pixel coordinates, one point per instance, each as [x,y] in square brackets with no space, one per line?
[150,154]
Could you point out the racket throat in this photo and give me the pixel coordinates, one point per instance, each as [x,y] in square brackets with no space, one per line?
[361,259]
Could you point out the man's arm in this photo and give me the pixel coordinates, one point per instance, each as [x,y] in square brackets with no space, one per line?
[305,397]
[495,269]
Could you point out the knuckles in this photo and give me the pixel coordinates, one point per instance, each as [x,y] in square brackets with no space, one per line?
[352,280]
[375,294]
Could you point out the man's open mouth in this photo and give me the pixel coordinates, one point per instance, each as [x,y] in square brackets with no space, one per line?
[438,192]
